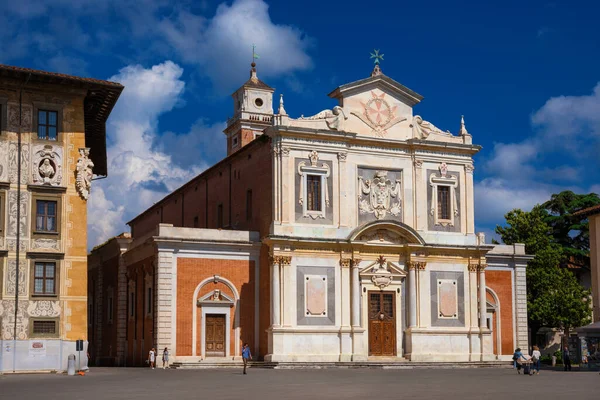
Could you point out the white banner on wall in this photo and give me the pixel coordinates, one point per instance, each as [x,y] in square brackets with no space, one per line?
[37,348]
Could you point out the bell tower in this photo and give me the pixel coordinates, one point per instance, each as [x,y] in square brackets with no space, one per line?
[253,112]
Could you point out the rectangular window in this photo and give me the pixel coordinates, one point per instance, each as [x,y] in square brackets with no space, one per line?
[44,327]
[44,279]
[110,308]
[220,216]
[313,195]
[45,220]
[47,125]
[196,222]
[248,205]
[443,202]
[131,304]
[149,301]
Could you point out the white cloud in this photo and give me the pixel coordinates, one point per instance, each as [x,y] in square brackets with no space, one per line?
[561,154]
[222,45]
[139,172]
[494,197]
[569,117]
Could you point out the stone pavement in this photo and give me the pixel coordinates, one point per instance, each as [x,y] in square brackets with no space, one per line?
[338,384]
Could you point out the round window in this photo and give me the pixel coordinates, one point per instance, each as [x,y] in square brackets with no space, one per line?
[258,102]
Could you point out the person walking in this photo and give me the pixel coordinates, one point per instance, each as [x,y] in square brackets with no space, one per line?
[535,357]
[567,358]
[165,358]
[152,357]
[518,358]
[246,355]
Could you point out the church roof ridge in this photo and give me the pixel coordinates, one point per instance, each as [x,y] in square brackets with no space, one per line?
[411,95]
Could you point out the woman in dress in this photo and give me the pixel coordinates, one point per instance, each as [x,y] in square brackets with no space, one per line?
[165,358]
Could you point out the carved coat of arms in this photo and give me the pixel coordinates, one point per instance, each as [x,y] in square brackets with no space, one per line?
[379,195]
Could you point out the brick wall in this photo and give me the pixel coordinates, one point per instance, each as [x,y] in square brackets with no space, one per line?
[227,183]
[192,271]
[501,283]
[140,327]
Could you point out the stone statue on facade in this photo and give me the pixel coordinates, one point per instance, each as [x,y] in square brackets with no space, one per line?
[422,128]
[46,170]
[84,173]
[333,118]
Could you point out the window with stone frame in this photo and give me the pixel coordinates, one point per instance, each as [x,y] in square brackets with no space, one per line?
[313,193]
[443,202]
[43,327]
[44,276]
[46,216]
[47,125]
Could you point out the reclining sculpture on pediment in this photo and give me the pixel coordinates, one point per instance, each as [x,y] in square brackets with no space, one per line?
[333,118]
[422,129]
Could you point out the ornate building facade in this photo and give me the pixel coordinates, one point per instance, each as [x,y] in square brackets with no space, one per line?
[344,236]
[57,124]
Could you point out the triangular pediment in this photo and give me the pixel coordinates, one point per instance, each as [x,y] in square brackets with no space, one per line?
[377,106]
[216,297]
[383,83]
[393,269]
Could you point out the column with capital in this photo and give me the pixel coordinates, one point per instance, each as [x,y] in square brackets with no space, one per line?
[482,297]
[355,293]
[474,304]
[412,294]
[275,292]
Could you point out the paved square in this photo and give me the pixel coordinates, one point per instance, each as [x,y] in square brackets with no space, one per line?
[338,384]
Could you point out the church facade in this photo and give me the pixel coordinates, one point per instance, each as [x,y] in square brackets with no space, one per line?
[348,235]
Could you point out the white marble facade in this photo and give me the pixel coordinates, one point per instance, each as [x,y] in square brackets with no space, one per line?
[398,277]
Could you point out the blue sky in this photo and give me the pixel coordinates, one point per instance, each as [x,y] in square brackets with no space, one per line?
[525,75]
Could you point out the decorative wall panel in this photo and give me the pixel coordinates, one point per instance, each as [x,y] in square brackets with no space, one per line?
[315,295]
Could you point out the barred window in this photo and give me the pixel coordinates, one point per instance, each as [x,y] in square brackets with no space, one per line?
[44,327]
[313,183]
[443,202]
[44,279]
[45,216]
[47,124]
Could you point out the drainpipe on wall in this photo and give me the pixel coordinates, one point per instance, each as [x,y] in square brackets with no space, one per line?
[18,221]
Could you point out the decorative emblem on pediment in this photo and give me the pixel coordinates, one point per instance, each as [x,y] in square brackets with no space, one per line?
[333,118]
[382,272]
[83,182]
[382,236]
[379,196]
[45,244]
[378,114]
[215,296]
[47,165]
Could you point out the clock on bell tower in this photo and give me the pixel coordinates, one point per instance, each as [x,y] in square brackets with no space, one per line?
[253,112]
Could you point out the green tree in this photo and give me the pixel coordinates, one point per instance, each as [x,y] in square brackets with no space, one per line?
[554,296]
[570,231]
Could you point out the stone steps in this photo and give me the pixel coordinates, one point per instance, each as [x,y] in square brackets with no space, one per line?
[346,365]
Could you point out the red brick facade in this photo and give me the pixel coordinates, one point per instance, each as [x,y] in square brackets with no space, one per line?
[501,283]
[190,273]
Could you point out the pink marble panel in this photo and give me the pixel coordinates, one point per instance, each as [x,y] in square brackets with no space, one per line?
[447,299]
[316,295]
